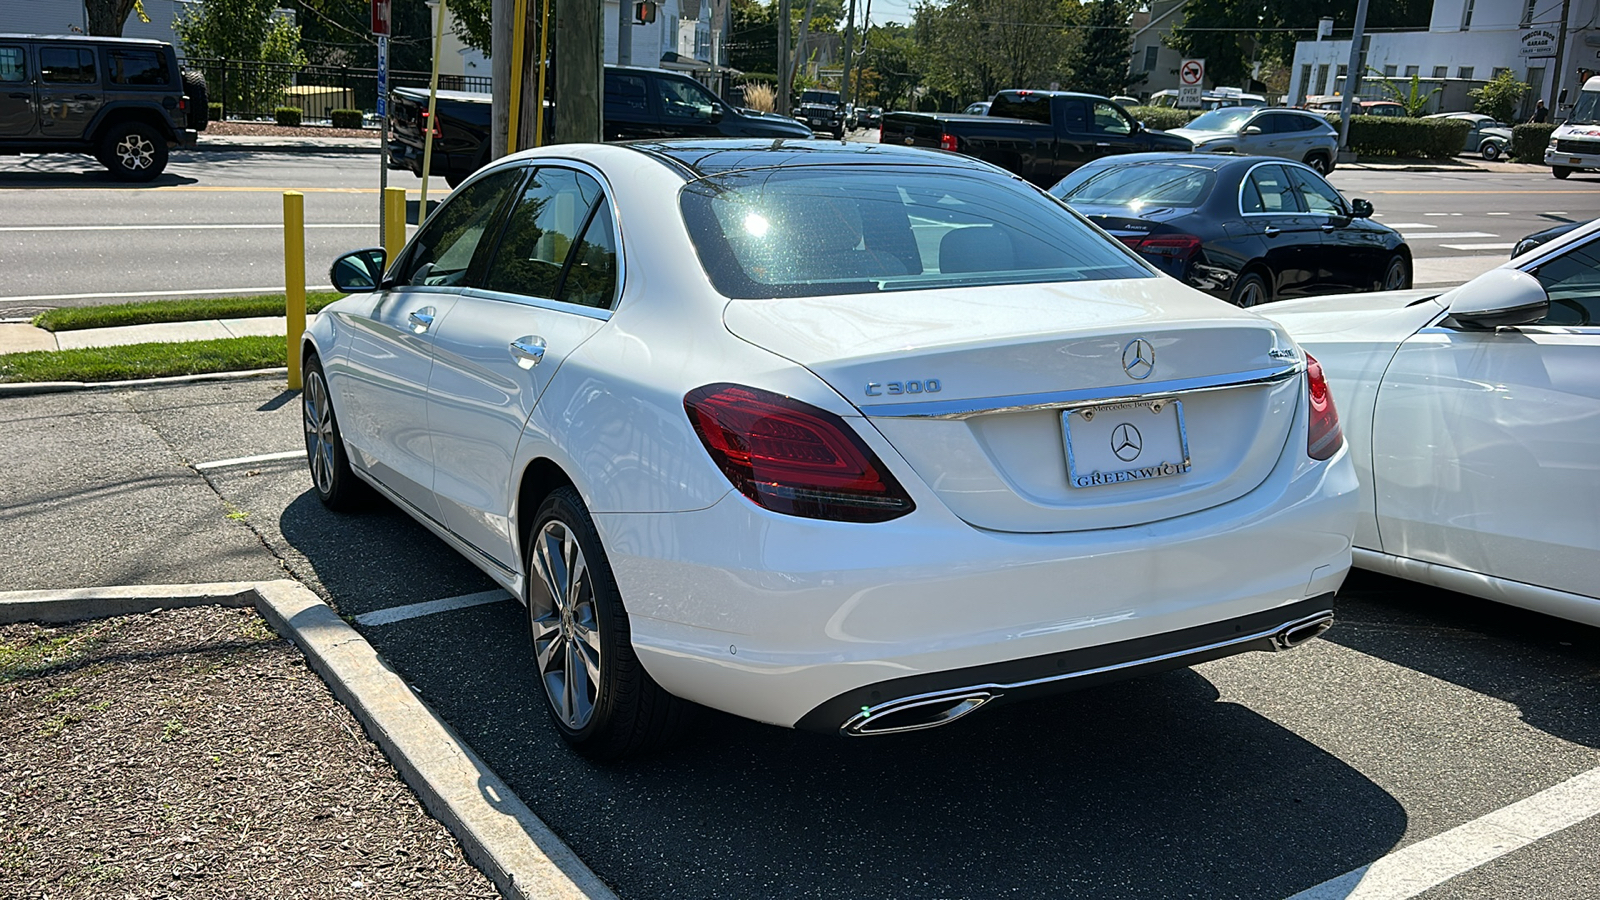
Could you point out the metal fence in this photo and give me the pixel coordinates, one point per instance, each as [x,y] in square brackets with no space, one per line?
[249,89]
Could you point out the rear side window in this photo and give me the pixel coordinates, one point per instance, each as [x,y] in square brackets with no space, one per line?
[558,242]
[626,94]
[67,65]
[136,67]
[13,65]
[1267,190]
[1033,107]
[825,230]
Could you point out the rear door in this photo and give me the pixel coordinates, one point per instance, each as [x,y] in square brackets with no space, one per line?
[70,90]
[1292,239]
[18,114]
[627,107]
[548,287]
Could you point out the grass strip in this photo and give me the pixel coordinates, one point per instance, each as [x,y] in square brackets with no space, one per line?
[157,360]
[147,312]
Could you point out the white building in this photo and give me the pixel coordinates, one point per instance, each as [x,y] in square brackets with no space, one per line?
[1467,43]
[69,17]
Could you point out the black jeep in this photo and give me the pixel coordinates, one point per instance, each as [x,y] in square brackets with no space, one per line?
[121,99]
[823,111]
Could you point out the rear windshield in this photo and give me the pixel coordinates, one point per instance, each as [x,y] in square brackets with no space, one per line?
[820,98]
[826,230]
[1230,119]
[1141,185]
[1033,107]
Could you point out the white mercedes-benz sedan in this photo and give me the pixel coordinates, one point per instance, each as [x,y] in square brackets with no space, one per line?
[1473,417]
[851,438]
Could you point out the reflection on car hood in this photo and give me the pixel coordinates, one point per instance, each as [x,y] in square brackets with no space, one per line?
[1199,135]
[1375,315]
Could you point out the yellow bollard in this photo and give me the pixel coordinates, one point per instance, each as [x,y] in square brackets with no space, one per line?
[294,276]
[394,221]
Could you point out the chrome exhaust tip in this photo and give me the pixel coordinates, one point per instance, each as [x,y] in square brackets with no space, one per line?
[913,713]
[1296,633]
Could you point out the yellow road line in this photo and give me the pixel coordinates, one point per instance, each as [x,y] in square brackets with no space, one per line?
[207,188]
[1480,192]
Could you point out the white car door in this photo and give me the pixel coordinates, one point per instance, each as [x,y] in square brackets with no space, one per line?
[1486,444]
[381,382]
[548,287]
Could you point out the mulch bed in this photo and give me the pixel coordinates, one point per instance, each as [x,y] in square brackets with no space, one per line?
[193,753]
[268,129]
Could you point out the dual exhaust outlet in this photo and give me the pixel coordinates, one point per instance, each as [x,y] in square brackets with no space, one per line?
[923,711]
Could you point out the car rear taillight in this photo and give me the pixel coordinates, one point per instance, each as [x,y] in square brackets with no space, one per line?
[947,142]
[1324,437]
[422,122]
[793,458]
[880,131]
[1178,246]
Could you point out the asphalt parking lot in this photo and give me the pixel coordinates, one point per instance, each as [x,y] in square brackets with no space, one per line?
[1260,776]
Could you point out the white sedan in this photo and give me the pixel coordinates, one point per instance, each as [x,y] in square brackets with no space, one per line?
[847,437]
[1474,420]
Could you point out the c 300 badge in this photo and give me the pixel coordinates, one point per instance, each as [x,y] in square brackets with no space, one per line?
[924,386]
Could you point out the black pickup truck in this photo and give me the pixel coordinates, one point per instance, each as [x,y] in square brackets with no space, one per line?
[1040,135]
[639,104]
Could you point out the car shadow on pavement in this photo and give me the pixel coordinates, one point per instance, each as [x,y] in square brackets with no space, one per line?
[1540,664]
[76,171]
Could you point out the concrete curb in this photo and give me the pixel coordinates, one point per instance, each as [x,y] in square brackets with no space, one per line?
[285,147]
[500,834]
[31,388]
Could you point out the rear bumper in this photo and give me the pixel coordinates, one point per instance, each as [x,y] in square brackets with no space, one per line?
[187,137]
[789,621]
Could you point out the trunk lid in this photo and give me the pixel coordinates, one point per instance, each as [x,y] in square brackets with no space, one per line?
[972,388]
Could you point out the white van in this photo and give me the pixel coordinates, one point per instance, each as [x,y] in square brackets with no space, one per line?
[1575,145]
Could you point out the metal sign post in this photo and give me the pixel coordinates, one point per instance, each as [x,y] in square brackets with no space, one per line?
[1191,82]
[380,27]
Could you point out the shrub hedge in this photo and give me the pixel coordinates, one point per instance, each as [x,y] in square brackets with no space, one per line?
[1528,142]
[346,118]
[287,115]
[1161,118]
[1387,136]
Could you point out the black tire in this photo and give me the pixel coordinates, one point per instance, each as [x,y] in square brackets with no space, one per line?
[133,151]
[194,84]
[620,711]
[1319,162]
[1562,172]
[1250,290]
[336,485]
[1396,274]
[1489,151]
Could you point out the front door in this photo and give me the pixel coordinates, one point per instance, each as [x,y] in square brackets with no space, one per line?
[1353,256]
[1484,441]
[548,287]
[18,115]
[70,93]
[1289,237]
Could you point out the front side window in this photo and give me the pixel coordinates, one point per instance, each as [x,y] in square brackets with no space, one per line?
[826,230]
[139,67]
[1573,282]
[1319,196]
[442,251]
[1108,119]
[559,242]
[684,100]
[67,65]
[13,65]
[1231,118]
[1268,190]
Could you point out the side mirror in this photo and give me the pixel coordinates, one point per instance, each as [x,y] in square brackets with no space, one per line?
[1251,129]
[716,113]
[1360,209]
[359,271]
[1499,297]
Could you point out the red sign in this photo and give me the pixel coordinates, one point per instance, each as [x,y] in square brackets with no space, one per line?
[380,16]
[1192,72]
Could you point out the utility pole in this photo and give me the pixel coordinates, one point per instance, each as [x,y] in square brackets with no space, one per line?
[579,63]
[800,57]
[1561,46]
[1351,77]
[849,44]
[624,32]
[535,16]
[785,71]
[500,74]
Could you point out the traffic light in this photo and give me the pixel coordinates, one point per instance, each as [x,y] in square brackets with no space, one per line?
[644,12]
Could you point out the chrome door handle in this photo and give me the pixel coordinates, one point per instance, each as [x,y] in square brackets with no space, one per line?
[1269,231]
[1327,229]
[528,351]
[1103,145]
[422,319]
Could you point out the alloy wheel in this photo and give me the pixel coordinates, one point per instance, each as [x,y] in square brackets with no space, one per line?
[135,152]
[319,432]
[1252,295]
[1395,278]
[566,629]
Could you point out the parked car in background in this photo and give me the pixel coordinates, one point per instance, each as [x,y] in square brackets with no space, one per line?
[1124,101]
[1216,98]
[1251,131]
[1575,144]
[981,108]
[823,111]
[843,437]
[123,100]
[1330,104]
[1473,418]
[639,103]
[1243,229]
[1488,138]
[868,116]
[1039,135]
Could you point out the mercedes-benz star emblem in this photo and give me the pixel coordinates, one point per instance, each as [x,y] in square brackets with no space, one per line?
[1126,442]
[1139,359]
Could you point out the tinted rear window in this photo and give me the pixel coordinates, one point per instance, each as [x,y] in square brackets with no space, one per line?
[145,67]
[1033,107]
[1141,185]
[823,230]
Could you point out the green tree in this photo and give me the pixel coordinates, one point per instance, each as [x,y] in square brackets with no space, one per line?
[1412,97]
[1099,61]
[888,72]
[106,17]
[245,30]
[472,22]
[969,49]
[1499,98]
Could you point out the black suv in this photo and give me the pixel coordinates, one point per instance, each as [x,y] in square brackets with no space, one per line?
[823,111]
[121,99]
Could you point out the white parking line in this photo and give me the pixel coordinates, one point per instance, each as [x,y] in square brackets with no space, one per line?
[1436,214]
[274,226]
[1505,246]
[428,608]
[247,460]
[1497,214]
[175,292]
[1450,235]
[1399,225]
[1426,864]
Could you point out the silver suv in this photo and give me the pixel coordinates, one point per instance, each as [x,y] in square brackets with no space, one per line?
[1254,131]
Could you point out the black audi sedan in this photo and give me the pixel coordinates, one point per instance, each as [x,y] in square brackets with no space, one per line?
[1242,228]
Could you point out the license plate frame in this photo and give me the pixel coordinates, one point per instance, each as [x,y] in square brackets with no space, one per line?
[1575,160]
[1088,468]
